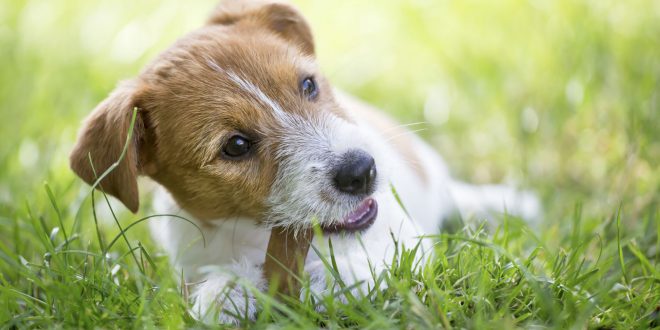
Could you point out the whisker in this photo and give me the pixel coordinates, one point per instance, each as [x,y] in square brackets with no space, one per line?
[390,138]
[389,129]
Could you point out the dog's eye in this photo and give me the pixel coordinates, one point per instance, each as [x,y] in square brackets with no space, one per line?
[236,147]
[308,88]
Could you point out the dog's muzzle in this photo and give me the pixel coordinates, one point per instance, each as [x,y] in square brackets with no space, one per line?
[356,176]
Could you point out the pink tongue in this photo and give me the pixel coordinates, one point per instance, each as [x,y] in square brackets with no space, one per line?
[359,213]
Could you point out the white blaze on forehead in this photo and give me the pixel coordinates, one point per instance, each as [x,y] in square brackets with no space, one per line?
[250,88]
[255,91]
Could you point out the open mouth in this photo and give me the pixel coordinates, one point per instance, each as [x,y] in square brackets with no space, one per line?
[361,218]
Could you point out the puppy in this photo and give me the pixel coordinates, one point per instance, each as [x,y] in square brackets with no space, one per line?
[243,133]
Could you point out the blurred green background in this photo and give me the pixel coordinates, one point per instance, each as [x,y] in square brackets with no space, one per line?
[559,96]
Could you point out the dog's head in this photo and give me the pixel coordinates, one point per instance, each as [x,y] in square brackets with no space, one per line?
[236,120]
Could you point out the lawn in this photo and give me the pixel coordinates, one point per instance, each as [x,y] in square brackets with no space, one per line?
[560,97]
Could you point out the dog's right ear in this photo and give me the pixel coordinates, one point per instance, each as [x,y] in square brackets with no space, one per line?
[277,16]
[103,138]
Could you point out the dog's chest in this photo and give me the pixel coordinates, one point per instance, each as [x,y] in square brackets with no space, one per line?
[193,244]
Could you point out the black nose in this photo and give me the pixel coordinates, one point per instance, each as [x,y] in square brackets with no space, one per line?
[356,173]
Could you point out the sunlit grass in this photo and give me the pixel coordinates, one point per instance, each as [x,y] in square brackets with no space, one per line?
[508,277]
[561,97]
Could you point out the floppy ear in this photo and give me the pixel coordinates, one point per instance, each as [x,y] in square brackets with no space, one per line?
[281,18]
[103,138]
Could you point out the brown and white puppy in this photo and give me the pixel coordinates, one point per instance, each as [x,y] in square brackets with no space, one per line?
[241,130]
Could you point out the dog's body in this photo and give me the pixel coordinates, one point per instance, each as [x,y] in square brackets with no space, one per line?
[242,241]
[243,133]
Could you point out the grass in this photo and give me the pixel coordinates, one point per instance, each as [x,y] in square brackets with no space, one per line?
[508,277]
[558,96]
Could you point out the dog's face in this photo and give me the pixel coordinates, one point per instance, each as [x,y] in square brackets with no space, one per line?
[236,120]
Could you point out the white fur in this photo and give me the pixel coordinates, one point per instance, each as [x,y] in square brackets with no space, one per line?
[235,248]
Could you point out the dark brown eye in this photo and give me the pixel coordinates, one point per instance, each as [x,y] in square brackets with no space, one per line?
[308,88]
[236,147]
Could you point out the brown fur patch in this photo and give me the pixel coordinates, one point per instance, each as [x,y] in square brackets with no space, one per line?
[281,18]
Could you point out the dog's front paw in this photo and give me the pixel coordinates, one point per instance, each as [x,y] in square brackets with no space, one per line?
[220,300]
[228,297]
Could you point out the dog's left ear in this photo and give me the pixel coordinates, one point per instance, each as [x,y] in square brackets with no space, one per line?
[102,141]
[279,17]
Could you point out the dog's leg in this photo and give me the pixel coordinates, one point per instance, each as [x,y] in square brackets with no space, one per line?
[494,200]
[221,296]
